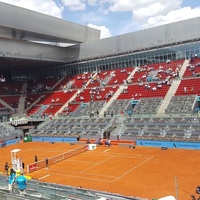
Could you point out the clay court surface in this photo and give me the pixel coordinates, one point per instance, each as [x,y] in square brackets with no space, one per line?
[143,172]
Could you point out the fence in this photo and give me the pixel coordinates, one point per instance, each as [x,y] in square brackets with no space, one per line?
[52,160]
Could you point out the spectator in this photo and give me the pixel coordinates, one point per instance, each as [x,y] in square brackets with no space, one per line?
[11,180]
[185,89]
[22,184]
[119,136]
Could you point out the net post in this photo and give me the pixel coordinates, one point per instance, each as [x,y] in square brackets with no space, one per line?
[27,169]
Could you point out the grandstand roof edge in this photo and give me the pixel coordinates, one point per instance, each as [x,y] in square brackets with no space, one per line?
[49,28]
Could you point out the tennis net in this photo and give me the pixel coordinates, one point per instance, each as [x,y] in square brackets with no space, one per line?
[52,160]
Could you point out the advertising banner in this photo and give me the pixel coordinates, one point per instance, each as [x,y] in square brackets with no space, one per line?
[28,138]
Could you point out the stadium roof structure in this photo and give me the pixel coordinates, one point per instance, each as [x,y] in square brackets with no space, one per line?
[25,29]
[29,41]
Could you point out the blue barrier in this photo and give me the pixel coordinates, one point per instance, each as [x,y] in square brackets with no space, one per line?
[148,143]
[44,139]
[54,139]
[12,141]
[169,144]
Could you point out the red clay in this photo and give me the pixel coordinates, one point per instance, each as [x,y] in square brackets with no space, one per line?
[143,172]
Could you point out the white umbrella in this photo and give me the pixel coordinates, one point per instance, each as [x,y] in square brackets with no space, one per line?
[167,198]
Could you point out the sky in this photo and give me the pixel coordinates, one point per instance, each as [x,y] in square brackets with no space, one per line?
[115,17]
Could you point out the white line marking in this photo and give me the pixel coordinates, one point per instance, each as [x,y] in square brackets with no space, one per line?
[43,177]
[92,174]
[125,155]
[106,150]
[132,169]
[76,176]
[103,176]
[79,161]
[96,164]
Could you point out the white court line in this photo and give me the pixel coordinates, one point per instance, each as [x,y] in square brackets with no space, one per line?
[97,164]
[132,169]
[60,171]
[106,150]
[39,149]
[43,177]
[102,180]
[99,179]
[79,161]
[79,177]
[126,155]
[96,179]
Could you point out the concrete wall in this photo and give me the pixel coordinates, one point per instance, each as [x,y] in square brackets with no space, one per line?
[20,23]
[157,37]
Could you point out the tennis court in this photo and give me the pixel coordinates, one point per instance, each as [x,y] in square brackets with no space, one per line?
[143,172]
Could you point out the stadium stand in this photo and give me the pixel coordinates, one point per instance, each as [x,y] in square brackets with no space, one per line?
[92,116]
[148,90]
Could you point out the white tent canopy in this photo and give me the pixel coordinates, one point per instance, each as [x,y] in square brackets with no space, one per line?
[167,198]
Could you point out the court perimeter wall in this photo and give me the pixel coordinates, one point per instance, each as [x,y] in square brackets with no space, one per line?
[12,141]
[169,144]
[147,143]
[54,139]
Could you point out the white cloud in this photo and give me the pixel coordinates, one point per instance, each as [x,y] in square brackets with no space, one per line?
[92,2]
[105,32]
[75,5]
[145,13]
[130,5]
[149,13]
[154,8]
[142,8]
[48,7]
[173,16]
[91,17]
[122,5]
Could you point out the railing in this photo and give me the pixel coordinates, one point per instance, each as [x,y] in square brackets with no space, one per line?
[38,190]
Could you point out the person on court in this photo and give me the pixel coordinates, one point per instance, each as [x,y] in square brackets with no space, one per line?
[108,142]
[6,168]
[23,167]
[47,163]
[36,159]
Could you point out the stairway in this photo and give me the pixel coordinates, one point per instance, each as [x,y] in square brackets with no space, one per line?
[183,68]
[111,100]
[168,96]
[132,73]
[21,104]
[172,89]
[22,99]
[59,81]
[89,81]
[6,105]
[121,87]
[66,104]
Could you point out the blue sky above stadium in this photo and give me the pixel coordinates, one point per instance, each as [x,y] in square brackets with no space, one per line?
[115,17]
